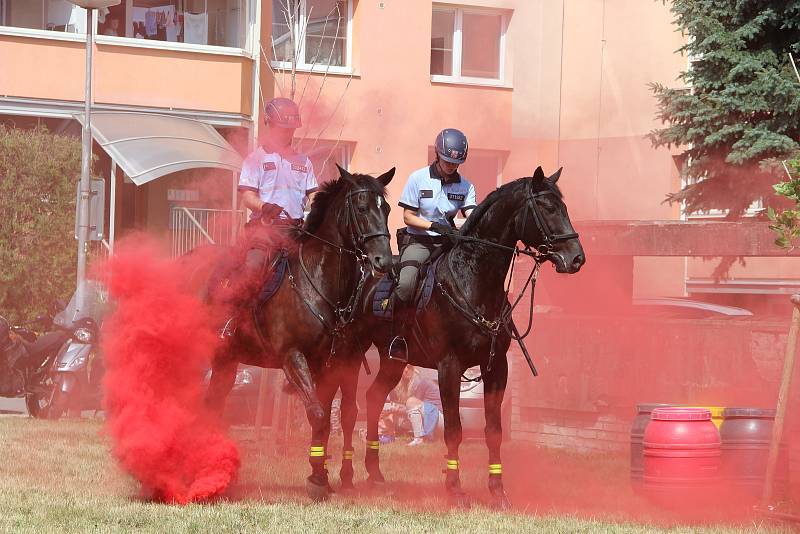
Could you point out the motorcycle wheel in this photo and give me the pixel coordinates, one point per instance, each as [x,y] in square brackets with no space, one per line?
[40,404]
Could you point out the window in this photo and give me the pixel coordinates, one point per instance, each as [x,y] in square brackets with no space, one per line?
[325,155]
[755,208]
[316,34]
[467,45]
[197,22]
[55,15]
[483,168]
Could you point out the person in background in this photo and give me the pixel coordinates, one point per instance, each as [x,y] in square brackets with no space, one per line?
[111,27]
[423,405]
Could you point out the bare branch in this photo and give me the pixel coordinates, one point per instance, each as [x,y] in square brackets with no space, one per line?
[269,65]
[335,145]
[333,114]
[319,47]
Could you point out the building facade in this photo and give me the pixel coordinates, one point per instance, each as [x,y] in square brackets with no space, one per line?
[531,82]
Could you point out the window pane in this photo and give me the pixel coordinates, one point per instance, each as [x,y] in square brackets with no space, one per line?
[480,47]
[204,22]
[281,11]
[326,34]
[442,28]
[56,15]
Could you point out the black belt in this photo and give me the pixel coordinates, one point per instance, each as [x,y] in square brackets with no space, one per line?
[428,240]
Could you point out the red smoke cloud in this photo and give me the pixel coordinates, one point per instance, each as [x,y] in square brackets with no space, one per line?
[158,343]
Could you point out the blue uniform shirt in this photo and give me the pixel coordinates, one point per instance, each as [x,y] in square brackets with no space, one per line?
[435,200]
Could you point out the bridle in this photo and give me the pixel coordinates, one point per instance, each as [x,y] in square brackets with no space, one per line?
[533,211]
[491,328]
[344,314]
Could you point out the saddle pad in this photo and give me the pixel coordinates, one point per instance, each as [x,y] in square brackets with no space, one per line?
[382,303]
[273,280]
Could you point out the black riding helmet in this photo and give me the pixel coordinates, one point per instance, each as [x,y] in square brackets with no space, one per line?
[451,145]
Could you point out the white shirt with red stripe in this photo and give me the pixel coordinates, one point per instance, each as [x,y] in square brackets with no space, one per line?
[282,180]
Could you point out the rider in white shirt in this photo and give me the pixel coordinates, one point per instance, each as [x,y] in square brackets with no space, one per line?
[276,184]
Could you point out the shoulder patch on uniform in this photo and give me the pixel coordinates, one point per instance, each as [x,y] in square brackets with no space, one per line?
[426,193]
[299,168]
[269,166]
[455,196]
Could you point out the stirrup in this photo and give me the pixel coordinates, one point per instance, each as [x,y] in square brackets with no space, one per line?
[398,349]
[229,329]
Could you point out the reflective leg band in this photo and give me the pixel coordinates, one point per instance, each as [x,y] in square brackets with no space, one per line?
[452,464]
[347,455]
[316,451]
[495,469]
[374,445]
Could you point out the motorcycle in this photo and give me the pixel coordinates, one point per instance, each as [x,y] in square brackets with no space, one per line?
[78,371]
[27,359]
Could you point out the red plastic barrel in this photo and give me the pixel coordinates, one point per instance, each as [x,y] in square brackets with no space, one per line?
[681,454]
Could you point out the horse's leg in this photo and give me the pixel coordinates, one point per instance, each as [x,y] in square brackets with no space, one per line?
[223,376]
[450,371]
[388,376]
[326,391]
[299,375]
[494,387]
[348,381]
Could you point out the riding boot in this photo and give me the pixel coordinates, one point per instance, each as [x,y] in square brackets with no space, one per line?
[403,316]
[243,288]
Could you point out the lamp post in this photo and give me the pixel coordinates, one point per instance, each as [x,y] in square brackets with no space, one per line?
[86,152]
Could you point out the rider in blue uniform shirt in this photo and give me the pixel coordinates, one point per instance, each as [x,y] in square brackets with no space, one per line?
[431,198]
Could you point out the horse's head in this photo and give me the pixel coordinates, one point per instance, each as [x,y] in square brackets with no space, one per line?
[542,223]
[363,221]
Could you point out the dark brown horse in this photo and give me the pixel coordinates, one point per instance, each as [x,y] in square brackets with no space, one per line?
[303,324]
[467,322]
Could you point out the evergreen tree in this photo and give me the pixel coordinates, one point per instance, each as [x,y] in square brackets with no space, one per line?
[739,114]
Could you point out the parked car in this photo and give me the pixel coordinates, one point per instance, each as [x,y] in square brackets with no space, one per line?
[241,404]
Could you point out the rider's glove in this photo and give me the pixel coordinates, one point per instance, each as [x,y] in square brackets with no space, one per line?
[270,212]
[442,229]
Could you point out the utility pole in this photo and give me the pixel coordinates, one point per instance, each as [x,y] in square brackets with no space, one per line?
[85,189]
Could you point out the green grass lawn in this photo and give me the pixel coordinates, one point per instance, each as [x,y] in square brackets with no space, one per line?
[59,476]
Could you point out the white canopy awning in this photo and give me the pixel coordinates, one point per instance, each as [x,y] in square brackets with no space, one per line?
[148,145]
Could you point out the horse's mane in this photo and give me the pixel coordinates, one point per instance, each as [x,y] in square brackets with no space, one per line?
[329,191]
[505,189]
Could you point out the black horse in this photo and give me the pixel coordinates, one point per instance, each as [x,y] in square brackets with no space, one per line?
[467,322]
[301,327]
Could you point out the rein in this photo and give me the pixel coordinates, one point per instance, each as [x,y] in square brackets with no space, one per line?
[344,315]
[491,328]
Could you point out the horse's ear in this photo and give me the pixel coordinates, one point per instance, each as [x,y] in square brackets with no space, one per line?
[538,174]
[346,176]
[386,177]
[553,179]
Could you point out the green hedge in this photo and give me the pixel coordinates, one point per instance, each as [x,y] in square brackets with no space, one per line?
[38,252]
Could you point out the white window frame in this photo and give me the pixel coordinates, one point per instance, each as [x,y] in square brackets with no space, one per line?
[35,32]
[456,77]
[754,209]
[300,51]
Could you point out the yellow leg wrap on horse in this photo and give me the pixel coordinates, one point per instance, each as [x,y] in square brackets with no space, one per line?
[347,455]
[495,469]
[374,445]
[452,464]
[316,451]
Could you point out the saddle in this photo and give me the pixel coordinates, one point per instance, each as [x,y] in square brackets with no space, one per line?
[273,278]
[382,301]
